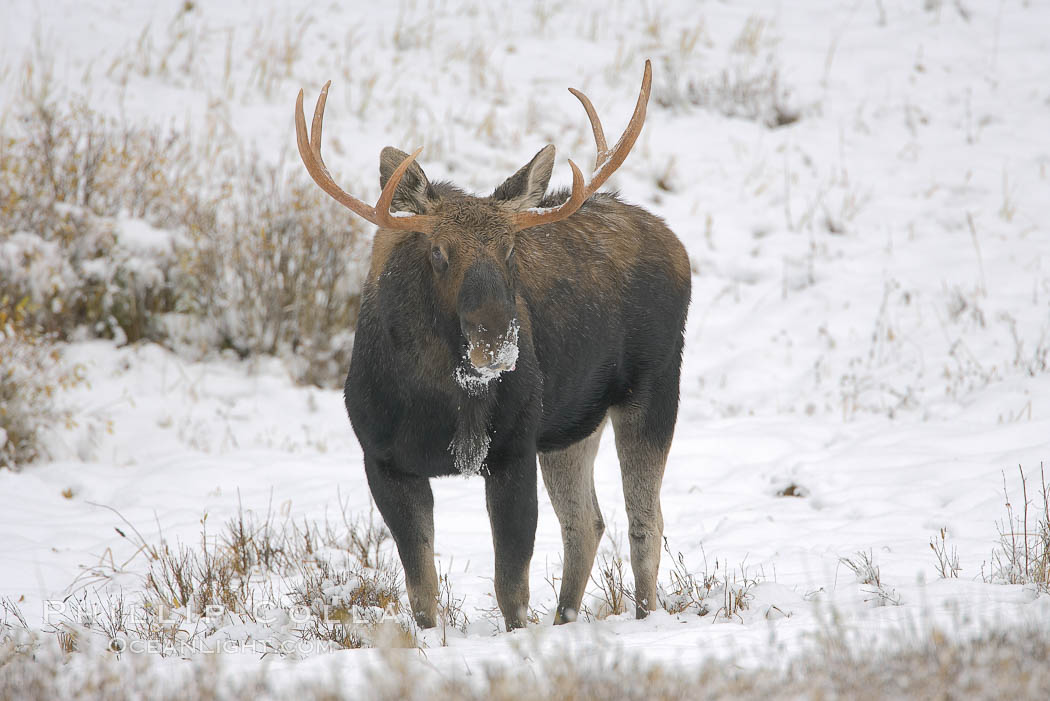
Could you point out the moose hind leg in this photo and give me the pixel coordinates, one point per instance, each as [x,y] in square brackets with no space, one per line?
[407,505]
[643,439]
[569,477]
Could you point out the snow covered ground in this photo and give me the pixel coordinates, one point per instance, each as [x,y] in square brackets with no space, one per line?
[870,320]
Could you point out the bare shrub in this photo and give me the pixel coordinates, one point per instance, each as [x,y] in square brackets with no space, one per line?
[947,558]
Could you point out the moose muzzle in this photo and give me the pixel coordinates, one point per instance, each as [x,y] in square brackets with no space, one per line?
[487,319]
[493,353]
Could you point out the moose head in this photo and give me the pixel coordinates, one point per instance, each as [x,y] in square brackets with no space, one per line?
[471,239]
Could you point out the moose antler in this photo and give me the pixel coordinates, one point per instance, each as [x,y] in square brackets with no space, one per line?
[605,164]
[310,152]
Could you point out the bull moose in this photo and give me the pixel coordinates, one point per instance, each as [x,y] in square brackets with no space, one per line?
[494,330]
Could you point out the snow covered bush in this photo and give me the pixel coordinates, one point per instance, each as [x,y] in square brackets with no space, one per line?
[69,179]
[277,268]
[112,230]
[31,373]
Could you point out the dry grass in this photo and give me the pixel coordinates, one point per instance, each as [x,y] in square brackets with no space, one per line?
[302,587]
[948,566]
[868,574]
[1022,555]
[748,86]
[727,592]
[994,665]
[724,591]
[451,615]
[612,596]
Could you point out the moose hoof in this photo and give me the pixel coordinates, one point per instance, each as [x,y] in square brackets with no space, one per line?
[564,615]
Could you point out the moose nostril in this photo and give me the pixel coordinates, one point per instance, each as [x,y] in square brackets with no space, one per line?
[480,357]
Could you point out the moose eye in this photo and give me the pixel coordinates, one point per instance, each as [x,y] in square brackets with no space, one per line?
[438,258]
[510,252]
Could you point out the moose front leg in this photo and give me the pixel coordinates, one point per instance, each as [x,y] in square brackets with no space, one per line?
[406,503]
[510,495]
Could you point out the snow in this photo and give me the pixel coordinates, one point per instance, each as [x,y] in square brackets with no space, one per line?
[870,319]
[473,381]
[140,237]
[469,453]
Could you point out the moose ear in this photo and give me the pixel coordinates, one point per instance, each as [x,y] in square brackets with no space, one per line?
[414,192]
[526,188]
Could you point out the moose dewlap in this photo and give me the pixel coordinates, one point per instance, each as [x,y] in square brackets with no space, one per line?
[500,329]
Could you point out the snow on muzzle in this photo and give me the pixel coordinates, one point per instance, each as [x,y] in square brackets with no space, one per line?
[492,355]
